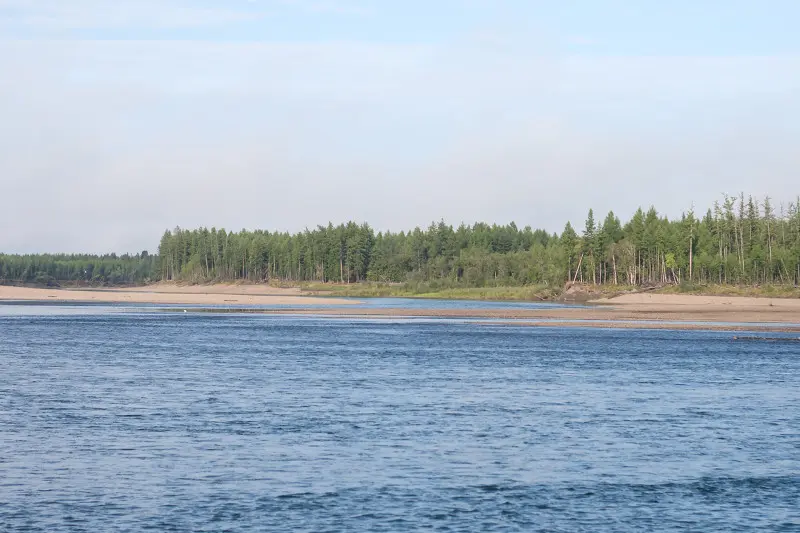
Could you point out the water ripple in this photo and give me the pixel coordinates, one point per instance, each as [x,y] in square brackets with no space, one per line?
[115,422]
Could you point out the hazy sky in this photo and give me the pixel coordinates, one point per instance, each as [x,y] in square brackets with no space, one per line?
[121,118]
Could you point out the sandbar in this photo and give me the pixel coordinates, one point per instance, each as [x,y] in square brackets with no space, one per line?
[640,310]
[217,294]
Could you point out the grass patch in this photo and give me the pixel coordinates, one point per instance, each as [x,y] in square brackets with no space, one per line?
[426,290]
[531,293]
[756,291]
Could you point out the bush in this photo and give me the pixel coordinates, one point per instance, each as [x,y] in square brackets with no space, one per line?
[43,278]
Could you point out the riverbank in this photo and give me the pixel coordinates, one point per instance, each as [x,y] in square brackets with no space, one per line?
[216,294]
[536,293]
[660,313]
[646,310]
[530,293]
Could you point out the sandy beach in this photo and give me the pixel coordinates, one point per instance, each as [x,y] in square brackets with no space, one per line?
[639,310]
[623,316]
[219,294]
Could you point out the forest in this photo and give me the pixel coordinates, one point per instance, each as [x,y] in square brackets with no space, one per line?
[80,269]
[738,241]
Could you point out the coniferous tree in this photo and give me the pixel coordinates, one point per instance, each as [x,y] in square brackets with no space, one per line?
[738,241]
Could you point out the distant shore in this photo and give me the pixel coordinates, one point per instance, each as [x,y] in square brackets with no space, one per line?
[216,294]
[647,310]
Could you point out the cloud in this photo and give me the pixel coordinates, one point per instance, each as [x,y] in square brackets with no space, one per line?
[581,40]
[57,15]
[106,144]
[53,17]
[339,7]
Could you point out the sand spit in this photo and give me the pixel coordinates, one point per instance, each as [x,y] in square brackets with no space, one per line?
[174,294]
[685,326]
[237,289]
[660,308]
[675,301]
[655,311]
[491,317]
[599,317]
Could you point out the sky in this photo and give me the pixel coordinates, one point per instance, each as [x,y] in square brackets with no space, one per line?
[122,118]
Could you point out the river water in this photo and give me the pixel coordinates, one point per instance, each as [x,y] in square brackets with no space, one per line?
[117,420]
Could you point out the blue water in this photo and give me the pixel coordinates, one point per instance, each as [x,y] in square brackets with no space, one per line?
[130,421]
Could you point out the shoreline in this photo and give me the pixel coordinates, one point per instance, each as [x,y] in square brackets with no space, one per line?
[221,294]
[635,310]
[491,317]
[594,317]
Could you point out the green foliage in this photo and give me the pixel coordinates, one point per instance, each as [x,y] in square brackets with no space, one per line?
[737,242]
[436,290]
[467,256]
[54,269]
[712,289]
[725,247]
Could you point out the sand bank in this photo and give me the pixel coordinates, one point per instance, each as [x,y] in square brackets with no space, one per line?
[655,311]
[556,318]
[648,300]
[632,310]
[215,288]
[688,315]
[659,326]
[750,316]
[174,294]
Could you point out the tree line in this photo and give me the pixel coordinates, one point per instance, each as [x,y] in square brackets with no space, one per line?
[738,241]
[51,269]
